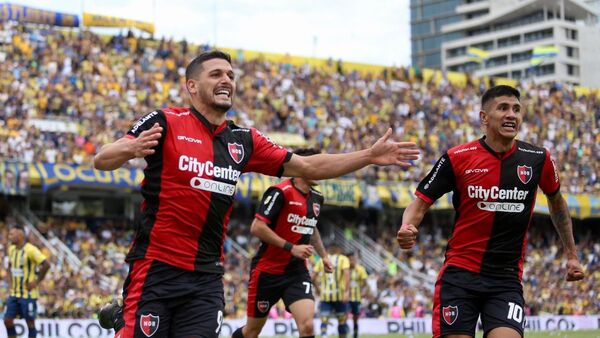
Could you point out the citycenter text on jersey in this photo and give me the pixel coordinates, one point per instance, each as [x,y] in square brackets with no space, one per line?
[192,164]
[495,193]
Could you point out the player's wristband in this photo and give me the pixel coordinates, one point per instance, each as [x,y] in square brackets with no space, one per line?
[288,246]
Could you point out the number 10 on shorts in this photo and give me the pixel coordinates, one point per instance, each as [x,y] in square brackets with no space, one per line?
[515,312]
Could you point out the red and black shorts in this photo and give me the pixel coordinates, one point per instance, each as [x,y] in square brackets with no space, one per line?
[461,296]
[265,290]
[161,300]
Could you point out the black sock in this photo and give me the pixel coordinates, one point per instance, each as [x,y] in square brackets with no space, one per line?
[238,333]
[313,336]
[355,332]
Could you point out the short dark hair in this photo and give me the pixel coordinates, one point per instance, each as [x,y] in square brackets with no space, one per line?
[195,66]
[497,91]
[306,151]
[17,226]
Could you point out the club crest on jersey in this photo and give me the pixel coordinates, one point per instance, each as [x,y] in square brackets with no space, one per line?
[236,151]
[149,324]
[525,173]
[263,305]
[450,313]
[316,208]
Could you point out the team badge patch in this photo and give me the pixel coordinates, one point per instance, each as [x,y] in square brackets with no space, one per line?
[316,208]
[525,173]
[236,151]
[450,313]
[149,324]
[263,305]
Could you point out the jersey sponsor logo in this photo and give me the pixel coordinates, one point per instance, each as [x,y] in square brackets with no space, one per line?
[188,139]
[525,173]
[465,149]
[262,305]
[437,169]
[192,164]
[303,230]
[143,120]
[295,203]
[149,324]
[476,171]
[450,313]
[316,208]
[301,220]
[212,186]
[268,209]
[236,151]
[540,152]
[495,193]
[501,206]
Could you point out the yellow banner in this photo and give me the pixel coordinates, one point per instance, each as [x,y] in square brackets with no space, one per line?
[97,20]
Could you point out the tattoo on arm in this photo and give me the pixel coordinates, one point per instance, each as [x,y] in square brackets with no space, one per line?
[559,213]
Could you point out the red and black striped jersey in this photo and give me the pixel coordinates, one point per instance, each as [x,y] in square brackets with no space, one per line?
[189,186]
[494,197]
[292,215]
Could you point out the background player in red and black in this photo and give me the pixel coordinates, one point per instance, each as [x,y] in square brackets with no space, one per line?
[286,223]
[194,159]
[494,182]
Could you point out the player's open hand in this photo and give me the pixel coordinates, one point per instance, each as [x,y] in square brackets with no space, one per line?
[302,251]
[574,270]
[143,145]
[387,152]
[407,236]
[327,265]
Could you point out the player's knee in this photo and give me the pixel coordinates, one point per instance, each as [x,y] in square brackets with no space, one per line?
[306,327]
[9,322]
[249,331]
[343,328]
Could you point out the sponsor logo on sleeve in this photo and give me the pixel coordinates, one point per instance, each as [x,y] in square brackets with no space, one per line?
[149,324]
[143,120]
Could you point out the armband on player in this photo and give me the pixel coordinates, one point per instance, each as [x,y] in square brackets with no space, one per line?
[288,246]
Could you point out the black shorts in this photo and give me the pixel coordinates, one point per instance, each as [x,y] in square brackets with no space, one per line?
[161,300]
[461,296]
[265,290]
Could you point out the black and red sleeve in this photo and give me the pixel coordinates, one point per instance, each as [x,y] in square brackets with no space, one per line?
[267,157]
[550,180]
[439,181]
[146,122]
[270,205]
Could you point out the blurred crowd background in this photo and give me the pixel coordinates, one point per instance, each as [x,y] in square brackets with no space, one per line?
[97,86]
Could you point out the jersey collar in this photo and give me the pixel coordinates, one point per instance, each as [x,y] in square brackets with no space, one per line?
[211,127]
[494,153]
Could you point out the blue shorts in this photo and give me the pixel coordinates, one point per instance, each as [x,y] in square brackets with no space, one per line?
[338,308]
[355,308]
[26,308]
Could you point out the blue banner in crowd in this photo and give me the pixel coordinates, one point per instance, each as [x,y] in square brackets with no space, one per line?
[14,178]
[54,175]
[34,15]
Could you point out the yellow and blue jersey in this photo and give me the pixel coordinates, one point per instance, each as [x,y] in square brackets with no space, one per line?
[358,278]
[333,285]
[23,263]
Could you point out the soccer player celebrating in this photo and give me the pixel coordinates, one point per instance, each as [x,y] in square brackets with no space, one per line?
[286,223]
[27,267]
[494,182]
[194,159]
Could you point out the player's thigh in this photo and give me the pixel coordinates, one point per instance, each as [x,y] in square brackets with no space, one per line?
[297,287]
[455,310]
[355,309]
[264,291]
[12,307]
[152,319]
[504,310]
[326,309]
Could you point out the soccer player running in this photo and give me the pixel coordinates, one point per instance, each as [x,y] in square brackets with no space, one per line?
[358,282]
[494,182]
[286,223]
[194,159]
[27,267]
[333,289]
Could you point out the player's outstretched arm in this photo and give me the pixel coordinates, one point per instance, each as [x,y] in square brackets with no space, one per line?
[323,166]
[412,217]
[559,212]
[113,155]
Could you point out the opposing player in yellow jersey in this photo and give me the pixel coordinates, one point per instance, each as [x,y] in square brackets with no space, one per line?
[358,281]
[333,289]
[27,268]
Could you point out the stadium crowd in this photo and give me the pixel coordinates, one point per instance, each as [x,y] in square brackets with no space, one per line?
[97,86]
[66,293]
